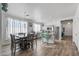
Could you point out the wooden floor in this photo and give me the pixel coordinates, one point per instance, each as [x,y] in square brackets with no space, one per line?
[65,47]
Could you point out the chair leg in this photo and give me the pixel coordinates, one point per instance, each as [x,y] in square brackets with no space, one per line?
[14,50]
[11,49]
[32,45]
[36,45]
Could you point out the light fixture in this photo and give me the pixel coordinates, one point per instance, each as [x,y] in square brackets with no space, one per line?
[5,7]
[26,14]
[68,22]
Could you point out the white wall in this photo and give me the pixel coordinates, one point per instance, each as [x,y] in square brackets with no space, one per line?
[4,28]
[76,28]
[0,29]
[76,31]
[0,32]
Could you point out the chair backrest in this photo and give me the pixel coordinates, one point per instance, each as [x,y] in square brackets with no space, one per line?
[23,34]
[30,36]
[12,38]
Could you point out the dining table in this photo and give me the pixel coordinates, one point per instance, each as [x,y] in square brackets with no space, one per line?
[24,40]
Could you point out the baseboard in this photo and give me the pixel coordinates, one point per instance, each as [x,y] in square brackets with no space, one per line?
[76,45]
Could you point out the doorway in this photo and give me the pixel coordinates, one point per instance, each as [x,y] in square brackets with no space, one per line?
[67,28]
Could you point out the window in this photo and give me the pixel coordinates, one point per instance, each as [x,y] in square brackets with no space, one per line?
[16,26]
[36,28]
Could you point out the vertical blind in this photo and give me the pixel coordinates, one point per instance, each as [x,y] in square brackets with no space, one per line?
[16,26]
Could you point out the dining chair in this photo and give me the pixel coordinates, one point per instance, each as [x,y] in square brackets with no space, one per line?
[13,44]
[30,41]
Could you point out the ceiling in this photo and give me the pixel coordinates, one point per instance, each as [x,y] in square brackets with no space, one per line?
[43,12]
